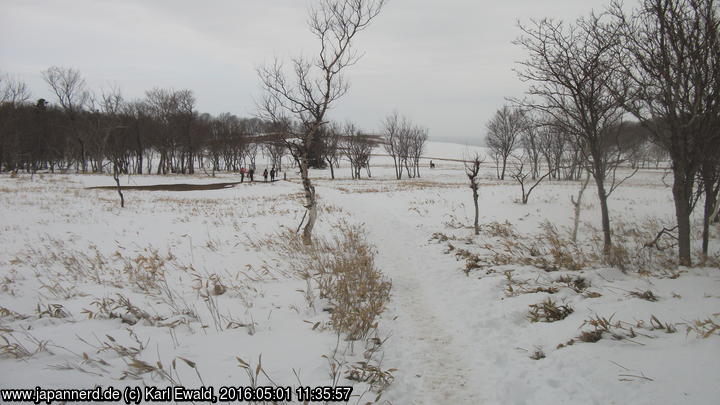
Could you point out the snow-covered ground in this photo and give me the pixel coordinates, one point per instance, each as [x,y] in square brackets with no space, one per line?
[187,281]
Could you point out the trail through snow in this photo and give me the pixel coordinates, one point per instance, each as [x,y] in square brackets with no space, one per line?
[429,345]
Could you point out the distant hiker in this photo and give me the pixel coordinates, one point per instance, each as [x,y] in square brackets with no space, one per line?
[272,174]
[265,173]
[251,172]
[432,165]
[242,174]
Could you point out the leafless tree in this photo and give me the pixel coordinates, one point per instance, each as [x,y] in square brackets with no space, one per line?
[69,87]
[13,91]
[503,133]
[552,144]
[405,143]
[251,152]
[357,148]
[472,170]
[531,144]
[671,72]
[417,138]
[522,169]
[317,83]
[72,95]
[331,146]
[392,134]
[569,68]
[13,95]
[275,150]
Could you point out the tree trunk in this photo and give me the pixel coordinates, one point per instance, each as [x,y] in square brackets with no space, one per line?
[710,191]
[139,152]
[310,201]
[116,177]
[332,171]
[682,195]
[475,200]
[576,222]
[709,205]
[602,196]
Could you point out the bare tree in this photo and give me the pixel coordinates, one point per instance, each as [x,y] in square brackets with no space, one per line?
[569,68]
[405,143]
[531,144]
[13,91]
[69,87]
[552,144]
[331,147]
[275,150]
[251,152]
[392,127]
[472,170]
[671,67]
[521,171]
[317,82]
[503,133]
[72,95]
[357,148]
[418,136]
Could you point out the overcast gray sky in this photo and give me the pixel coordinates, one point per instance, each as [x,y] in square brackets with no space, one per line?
[445,64]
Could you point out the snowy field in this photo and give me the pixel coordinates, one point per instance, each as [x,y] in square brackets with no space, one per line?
[191,288]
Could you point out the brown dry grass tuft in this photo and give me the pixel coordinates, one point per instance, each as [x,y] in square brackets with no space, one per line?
[343,271]
[548,311]
[645,295]
[705,328]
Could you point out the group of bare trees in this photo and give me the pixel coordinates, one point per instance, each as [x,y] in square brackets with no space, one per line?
[357,148]
[659,63]
[503,135]
[405,143]
[103,133]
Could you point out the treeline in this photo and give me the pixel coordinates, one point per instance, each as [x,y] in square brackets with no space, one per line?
[518,137]
[161,133]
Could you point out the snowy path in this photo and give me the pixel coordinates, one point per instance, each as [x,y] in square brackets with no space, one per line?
[430,346]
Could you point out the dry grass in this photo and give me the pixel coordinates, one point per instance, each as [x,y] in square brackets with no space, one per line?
[343,271]
[621,330]
[514,286]
[645,295]
[12,347]
[551,250]
[705,328]
[575,283]
[548,250]
[548,311]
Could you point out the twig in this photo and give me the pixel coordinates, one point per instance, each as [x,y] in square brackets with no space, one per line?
[301,222]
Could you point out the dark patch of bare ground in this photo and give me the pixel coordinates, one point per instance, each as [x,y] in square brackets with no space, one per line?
[175,187]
